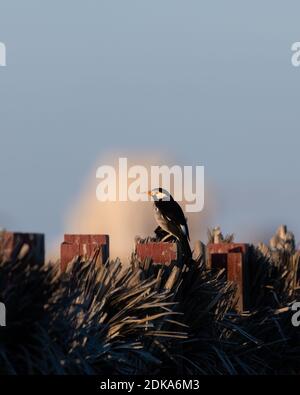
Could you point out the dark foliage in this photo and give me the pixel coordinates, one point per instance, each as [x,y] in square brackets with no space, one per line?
[146,318]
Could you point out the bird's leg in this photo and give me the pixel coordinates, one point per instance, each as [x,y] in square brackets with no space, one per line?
[166,237]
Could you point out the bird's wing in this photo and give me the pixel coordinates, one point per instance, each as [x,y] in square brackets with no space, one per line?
[173,212]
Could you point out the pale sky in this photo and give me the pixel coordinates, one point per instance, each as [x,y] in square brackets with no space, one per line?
[208,82]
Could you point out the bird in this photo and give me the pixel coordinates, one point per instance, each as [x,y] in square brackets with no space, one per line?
[170,217]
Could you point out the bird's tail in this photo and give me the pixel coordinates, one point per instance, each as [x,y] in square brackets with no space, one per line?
[186,249]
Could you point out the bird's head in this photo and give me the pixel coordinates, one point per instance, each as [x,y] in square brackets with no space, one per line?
[160,194]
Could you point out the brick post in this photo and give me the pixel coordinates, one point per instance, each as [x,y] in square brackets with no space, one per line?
[82,245]
[160,252]
[233,257]
[15,245]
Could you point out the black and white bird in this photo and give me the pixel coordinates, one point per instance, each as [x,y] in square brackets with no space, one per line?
[170,217]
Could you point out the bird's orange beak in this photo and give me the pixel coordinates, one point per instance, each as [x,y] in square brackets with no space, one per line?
[150,193]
